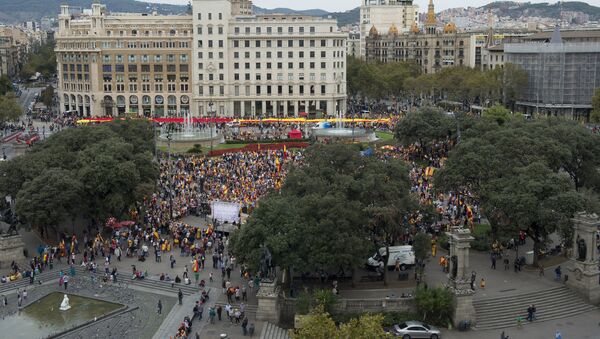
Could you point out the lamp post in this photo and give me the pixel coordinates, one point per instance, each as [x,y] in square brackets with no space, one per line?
[210,113]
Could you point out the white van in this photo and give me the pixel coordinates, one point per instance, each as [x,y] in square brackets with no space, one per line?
[404,254]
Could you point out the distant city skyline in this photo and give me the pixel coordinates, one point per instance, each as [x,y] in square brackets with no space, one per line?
[344,5]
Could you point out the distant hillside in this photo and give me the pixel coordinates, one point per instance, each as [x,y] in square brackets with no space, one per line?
[16,11]
[350,17]
[313,12]
[545,10]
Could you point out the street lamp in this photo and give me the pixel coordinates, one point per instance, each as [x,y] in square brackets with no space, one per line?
[210,113]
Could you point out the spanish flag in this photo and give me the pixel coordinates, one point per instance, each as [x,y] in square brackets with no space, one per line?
[278,165]
[469,213]
[429,171]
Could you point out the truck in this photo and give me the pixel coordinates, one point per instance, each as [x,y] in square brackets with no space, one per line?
[404,254]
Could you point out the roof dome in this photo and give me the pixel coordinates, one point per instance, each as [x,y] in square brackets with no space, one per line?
[393,30]
[414,28]
[373,31]
[450,28]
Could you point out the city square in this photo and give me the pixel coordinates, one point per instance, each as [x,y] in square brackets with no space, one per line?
[219,170]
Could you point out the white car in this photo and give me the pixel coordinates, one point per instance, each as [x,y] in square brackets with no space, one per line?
[416,330]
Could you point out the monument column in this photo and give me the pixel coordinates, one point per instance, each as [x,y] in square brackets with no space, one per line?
[584,273]
[459,276]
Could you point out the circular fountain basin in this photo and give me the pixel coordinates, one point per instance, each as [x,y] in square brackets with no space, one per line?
[357,134]
[190,138]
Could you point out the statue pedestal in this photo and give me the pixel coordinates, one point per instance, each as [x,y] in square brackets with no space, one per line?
[268,300]
[11,248]
[583,269]
[459,277]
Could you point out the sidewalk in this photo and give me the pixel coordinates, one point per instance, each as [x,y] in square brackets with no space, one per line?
[585,326]
[498,282]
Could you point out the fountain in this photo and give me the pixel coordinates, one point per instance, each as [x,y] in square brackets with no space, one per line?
[40,318]
[64,306]
[343,133]
[189,134]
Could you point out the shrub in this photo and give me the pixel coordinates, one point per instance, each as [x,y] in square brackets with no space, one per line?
[434,305]
[303,303]
[325,298]
[197,149]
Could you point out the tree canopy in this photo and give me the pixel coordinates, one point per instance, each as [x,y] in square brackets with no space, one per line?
[94,171]
[9,108]
[459,83]
[320,325]
[327,210]
[595,114]
[42,60]
[425,125]
[524,174]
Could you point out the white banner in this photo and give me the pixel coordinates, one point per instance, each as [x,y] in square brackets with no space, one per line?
[226,211]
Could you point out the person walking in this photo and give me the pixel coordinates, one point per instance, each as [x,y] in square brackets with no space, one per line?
[65,281]
[533,310]
[541,270]
[180,297]
[473,278]
[503,335]
[219,311]
[245,325]
[211,314]
[493,261]
[530,313]
[506,264]
[159,311]
[558,335]
[200,311]
[558,273]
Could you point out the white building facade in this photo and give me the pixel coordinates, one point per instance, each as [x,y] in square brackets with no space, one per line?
[383,14]
[220,61]
[265,65]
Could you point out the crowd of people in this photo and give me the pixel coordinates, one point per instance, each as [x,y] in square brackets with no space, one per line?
[188,185]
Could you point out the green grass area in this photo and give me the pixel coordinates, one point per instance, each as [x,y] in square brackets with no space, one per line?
[385,136]
[481,230]
[175,149]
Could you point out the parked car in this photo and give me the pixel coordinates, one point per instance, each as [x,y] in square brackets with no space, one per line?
[416,330]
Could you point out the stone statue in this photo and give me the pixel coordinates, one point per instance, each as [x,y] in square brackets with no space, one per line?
[454,260]
[581,249]
[266,262]
[65,304]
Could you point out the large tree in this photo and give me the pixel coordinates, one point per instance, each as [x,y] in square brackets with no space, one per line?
[10,109]
[595,114]
[327,211]
[49,199]
[522,173]
[108,168]
[424,126]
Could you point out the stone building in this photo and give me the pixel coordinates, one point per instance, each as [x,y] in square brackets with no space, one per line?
[112,64]
[265,65]
[431,47]
[382,14]
[9,57]
[220,60]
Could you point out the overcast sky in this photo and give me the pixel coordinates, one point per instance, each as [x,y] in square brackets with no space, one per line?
[343,5]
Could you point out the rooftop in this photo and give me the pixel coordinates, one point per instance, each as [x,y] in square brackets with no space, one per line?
[537,47]
[566,35]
